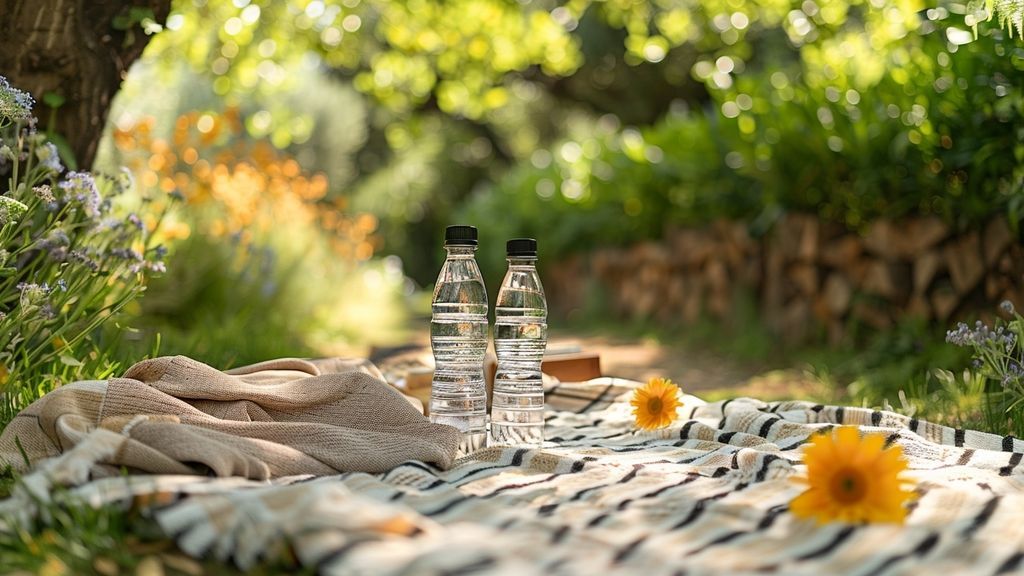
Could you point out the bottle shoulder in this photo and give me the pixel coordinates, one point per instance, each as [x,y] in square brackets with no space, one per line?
[458,269]
[525,278]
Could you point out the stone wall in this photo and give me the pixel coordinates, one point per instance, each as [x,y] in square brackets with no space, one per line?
[806,274]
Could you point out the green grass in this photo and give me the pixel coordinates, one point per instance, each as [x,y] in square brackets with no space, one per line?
[76,538]
[898,369]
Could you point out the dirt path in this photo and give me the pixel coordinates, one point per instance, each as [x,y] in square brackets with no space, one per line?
[702,373]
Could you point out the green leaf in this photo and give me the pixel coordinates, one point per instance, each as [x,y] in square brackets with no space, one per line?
[121,22]
[69,361]
[53,100]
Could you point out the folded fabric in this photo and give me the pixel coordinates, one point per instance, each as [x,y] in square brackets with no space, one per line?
[175,415]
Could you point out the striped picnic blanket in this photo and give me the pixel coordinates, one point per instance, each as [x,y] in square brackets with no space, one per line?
[708,495]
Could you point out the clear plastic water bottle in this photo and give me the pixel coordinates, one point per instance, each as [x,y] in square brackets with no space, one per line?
[458,338]
[520,336]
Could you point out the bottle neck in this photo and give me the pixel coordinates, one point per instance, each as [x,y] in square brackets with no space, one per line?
[460,250]
[518,261]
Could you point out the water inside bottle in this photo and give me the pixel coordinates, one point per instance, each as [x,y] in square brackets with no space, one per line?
[520,337]
[458,338]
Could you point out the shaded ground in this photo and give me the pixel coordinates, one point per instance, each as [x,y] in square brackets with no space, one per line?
[702,373]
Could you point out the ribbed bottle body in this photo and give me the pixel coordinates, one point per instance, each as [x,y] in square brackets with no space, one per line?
[520,337]
[458,339]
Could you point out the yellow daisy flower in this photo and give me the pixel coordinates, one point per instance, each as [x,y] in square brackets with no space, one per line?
[655,403]
[852,479]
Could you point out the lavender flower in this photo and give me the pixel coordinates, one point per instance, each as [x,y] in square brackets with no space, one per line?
[55,245]
[49,157]
[32,293]
[56,237]
[15,105]
[84,259]
[82,187]
[134,220]
[1007,306]
[126,254]
[981,336]
[1014,374]
[137,261]
[124,181]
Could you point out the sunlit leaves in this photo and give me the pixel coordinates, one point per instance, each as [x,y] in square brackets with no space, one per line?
[403,53]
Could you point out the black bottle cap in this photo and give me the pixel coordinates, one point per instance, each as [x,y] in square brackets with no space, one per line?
[521,247]
[460,236]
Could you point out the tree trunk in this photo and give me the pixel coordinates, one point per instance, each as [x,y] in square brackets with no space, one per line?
[79,50]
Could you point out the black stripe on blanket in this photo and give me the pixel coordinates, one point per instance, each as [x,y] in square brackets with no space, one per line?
[983,517]
[1014,461]
[520,485]
[836,542]
[595,401]
[689,478]
[701,505]
[767,426]
[920,550]
[765,523]
[624,553]
[965,457]
[1011,564]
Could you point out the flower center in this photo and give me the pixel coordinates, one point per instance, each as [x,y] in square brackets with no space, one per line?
[848,486]
[654,405]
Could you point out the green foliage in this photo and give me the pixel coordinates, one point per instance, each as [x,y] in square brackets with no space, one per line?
[1009,13]
[885,367]
[456,53]
[610,186]
[71,257]
[997,368]
[226,304]
[961,401]
[877,113]
[70,536]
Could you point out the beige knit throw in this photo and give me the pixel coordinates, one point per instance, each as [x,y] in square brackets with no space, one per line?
[175,415]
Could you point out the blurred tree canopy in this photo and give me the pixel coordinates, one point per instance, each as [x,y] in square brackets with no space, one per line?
[525,112]
[850,108]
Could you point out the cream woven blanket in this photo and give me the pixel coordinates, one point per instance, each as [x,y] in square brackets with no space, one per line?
[708,495]
[279,418]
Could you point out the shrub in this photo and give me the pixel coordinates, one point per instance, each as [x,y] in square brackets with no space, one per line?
[70,258]
[876,112]
[264,263]
[997,368]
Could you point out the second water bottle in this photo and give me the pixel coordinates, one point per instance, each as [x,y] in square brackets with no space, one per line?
[520,337]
